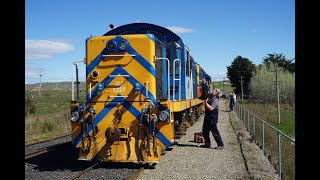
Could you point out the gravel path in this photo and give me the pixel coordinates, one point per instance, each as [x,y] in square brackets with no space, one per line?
[240,159]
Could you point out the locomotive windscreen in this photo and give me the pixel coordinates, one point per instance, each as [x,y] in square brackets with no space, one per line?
[159,73]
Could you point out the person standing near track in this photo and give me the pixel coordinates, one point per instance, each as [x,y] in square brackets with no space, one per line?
[232,101]
[211,120]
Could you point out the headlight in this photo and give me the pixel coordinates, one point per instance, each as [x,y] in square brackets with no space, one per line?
[164,116]
[111,45]
[123,45]
[82,106]
[137,88]
[144,110]
[150,106]
[100,88]
[74,116]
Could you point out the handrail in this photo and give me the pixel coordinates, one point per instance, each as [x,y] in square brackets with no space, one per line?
[292,140]
[119,75]
[117,55]
[118,96]
[240,110]
[147,90]
[90,87]
[72,86]
[174,79]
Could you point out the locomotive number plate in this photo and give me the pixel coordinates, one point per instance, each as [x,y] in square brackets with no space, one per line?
[120,87]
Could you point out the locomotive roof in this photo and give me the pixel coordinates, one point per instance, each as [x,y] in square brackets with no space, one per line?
[142,28]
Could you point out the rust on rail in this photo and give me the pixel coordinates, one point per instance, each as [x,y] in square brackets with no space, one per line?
[135,174]
[65,135]
[84,171]
[35,153]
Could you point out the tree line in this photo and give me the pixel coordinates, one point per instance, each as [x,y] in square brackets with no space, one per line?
[259,81]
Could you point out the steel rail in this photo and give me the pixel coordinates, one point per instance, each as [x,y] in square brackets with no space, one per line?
[135,174]
[48,140]
[36,153]
[84,171]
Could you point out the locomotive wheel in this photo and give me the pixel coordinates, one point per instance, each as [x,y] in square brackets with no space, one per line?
[198,113]
[193,117]
[181,127]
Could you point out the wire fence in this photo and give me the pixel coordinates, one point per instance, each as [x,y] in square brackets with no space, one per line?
[278,147]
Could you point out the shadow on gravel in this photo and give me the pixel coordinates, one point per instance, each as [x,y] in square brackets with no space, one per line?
[64,157]
[115,165]
[190,145]
[61,157]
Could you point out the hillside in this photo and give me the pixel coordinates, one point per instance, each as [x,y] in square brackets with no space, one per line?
[223,87]
[64,86]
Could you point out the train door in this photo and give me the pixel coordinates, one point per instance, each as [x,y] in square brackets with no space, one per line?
[174,55]
[188,85]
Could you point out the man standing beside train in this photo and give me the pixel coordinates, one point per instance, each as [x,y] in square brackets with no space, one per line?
[211,120]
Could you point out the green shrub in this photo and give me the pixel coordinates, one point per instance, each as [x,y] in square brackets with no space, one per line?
[30,106]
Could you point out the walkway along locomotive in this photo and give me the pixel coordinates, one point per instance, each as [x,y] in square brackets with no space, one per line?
[142,91]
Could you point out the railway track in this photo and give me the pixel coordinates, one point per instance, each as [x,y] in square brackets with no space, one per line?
[59,137]
[49,145]
[43,149]
[135,174]
[36,153]
[83,172]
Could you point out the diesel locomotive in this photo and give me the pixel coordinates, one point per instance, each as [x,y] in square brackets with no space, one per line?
[142,92]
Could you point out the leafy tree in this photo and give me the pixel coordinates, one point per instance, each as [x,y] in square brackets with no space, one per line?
[262,84]
[240,67]
[281,60]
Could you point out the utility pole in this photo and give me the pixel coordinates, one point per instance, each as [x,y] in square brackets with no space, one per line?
[223,84]
[40,86]
[278,92]
[241,81]
[277,84]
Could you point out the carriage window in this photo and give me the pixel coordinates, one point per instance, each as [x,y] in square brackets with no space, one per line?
[188,64]
[174,52]
[158,35]
[132,31]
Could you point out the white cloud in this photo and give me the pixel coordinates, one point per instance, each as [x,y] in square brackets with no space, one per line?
[219,76]
[44,49]
[176,29]
[33,72]
[64,40]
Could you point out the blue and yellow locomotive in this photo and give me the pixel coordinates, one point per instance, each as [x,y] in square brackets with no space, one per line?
[142,89]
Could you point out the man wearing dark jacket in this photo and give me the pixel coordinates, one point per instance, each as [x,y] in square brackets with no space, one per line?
[211,120]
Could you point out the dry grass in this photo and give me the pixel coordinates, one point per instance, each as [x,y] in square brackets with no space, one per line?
[41,127]
[268,112]
[51,117]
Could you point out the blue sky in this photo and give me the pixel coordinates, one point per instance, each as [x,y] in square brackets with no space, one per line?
[215,31]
